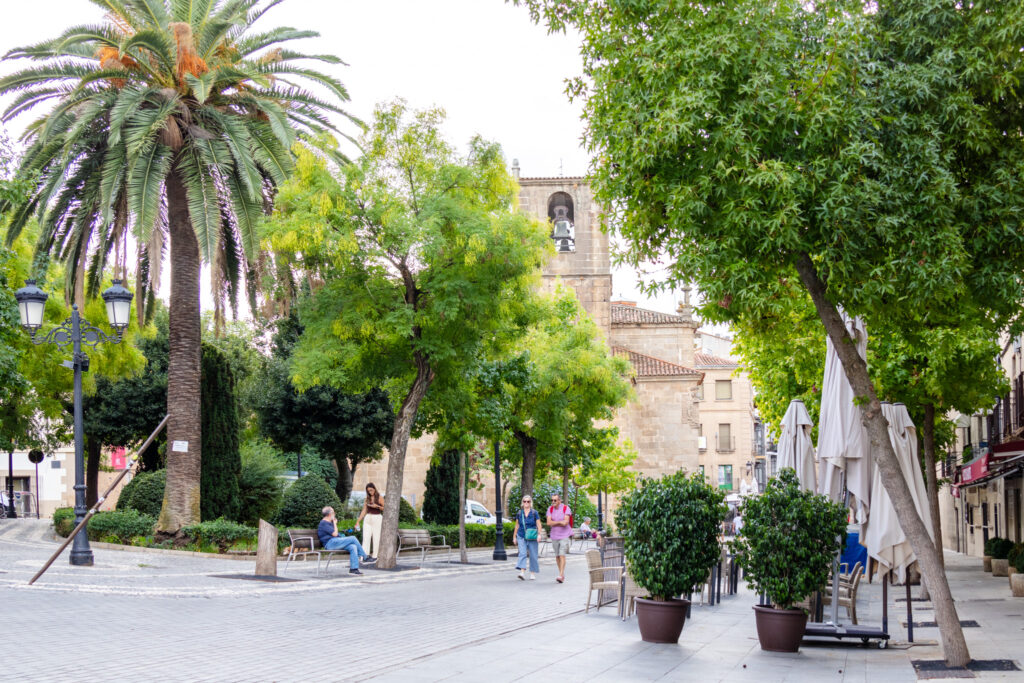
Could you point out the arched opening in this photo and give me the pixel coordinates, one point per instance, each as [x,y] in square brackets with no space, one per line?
[560,213]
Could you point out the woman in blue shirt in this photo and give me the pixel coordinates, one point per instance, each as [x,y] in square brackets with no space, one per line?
[526,534]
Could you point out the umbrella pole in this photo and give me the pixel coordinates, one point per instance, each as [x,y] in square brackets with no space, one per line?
[885,604]
[910,614]
[835,587]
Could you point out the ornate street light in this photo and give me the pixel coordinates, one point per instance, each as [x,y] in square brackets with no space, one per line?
[74,332]
[499,526]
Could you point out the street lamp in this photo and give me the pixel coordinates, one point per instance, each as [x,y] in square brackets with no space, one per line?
[74,332]
[499,526]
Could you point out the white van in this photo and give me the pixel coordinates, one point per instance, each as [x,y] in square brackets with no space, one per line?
[476,513]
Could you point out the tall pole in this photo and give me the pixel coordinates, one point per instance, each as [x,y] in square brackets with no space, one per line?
[10,486]
[81,553]
[499,527]
[600,513]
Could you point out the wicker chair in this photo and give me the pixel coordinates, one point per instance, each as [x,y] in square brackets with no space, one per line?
[848,585]
[630,592]
[597,573]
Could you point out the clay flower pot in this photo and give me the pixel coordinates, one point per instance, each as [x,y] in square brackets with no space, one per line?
[1017,585]
[780,630]
[1000,567]
[661,621]
[986,563]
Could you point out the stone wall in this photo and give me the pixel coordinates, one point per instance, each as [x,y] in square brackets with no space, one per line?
[738,413]
[672,343]
[662,424]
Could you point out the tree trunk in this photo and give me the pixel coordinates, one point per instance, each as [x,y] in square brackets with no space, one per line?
[93,453]
[462,508]
[931,479]
[184,426]
[565,485]
[387,557]
[345,475]
[529,446]
[953,644]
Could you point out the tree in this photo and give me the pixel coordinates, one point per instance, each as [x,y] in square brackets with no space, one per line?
[167,104]
[871,151]
[441,498]
[222,464]
[422,259]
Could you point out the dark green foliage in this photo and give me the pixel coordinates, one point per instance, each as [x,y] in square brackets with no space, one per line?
[145,493]
[304,500]
[260,488]
[441,498]
[578,501]
[477,535]
[313,462]
[406,512]
[219,532]
[1015,554]
[63,521]
[789,539]
[670,526]
[998,547]
[222,462]
[120,526]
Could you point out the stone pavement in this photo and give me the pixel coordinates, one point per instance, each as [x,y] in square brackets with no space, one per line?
[154,616]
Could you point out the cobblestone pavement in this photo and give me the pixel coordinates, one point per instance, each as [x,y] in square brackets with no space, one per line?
[153,616]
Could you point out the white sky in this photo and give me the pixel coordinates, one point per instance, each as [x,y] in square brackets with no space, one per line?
[492,70]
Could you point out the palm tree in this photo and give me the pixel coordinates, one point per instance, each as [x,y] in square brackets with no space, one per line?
[174,120]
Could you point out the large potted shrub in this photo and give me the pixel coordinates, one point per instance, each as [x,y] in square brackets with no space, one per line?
[1000,552]
[670,537]
[986,559]
[1011,558]
[789,539]
[1017,578]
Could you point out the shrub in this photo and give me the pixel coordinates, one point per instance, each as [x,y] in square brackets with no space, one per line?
[1015,552]
[789,539]
[220,532]
[260,489]
[221,462]
[406,513]
[145,493]
[121,525]
[304,500]
[64,521]
[477,535]
[441,498]
[670,531]
[999,548]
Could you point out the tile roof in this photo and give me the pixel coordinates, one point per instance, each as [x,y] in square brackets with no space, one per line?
[624,314]
[706,360]
[647,366]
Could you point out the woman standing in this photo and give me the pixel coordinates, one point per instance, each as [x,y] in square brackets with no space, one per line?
[527,532]
[373,511]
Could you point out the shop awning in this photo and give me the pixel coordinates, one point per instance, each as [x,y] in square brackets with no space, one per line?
[996,463]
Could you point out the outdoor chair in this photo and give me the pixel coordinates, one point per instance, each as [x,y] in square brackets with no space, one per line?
[597,575]
[848,592]
[630,592]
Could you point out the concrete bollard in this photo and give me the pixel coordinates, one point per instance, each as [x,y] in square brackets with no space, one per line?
[266,550]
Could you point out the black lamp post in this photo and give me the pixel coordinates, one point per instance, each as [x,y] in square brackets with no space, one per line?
[74,332]
[499,527]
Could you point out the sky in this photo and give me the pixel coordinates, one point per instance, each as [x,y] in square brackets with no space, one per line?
[484,62]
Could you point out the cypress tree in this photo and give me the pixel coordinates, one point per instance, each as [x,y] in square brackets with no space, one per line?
[222,460]
[441,498]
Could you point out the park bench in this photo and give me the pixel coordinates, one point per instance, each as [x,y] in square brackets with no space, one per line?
[305,542]
[420,539]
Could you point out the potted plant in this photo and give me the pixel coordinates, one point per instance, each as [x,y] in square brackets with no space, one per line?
[789,539]
[1017,579]
[1015,552]
[670,537]
[1000,551]
[986,559]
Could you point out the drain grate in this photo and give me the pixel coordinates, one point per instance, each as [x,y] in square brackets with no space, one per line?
[928,669]
[914,599]
[965,623]
[253,577]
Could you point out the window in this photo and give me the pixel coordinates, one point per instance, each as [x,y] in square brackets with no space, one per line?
[478,511]
[725,442]
[702,470]
[723,389]
[700,392]
[725,477]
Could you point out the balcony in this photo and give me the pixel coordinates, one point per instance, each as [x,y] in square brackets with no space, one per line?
[726,445]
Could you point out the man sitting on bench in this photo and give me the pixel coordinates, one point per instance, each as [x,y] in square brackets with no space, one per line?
[331,539]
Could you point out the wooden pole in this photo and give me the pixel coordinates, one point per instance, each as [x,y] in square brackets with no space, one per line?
[99,502]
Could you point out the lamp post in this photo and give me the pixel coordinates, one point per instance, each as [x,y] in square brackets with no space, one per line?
[499,527]
[74,332]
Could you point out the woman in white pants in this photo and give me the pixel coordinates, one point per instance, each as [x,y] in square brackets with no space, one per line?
[373,512]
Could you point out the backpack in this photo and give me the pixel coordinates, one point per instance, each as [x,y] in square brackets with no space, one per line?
[564,508]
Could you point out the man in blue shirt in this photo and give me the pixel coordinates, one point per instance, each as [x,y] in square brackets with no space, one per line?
[331,539]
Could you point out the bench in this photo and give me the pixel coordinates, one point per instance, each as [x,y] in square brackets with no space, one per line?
[306,542]
[420,539]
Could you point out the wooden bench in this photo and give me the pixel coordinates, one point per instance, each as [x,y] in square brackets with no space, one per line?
[420,539]
[306,542]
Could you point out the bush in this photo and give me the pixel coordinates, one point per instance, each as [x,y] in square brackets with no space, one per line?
[221,463]
[999,548]
[220,532]
[441,498]
[64,521]
[789,540]
[477,535]
[670,531]
[1016,557]
[304,500]
[145,493]
[260,488]
[120,525]
[406,513]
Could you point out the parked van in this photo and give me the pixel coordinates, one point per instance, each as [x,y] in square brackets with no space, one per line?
[476,513]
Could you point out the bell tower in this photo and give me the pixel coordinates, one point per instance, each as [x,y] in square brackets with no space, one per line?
[582,260]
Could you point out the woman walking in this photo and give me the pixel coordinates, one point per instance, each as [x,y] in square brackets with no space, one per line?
[373,512]
[527,532]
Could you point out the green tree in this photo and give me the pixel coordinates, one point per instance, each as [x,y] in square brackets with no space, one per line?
[166,104]
[609,472]
[441,498]
[222,463]
[426,260]
[871,151]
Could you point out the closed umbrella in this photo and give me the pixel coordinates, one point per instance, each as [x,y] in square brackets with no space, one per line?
[843,443]
[883,536]
[795,448]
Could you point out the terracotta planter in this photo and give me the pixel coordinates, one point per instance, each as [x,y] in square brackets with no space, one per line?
[986,563]
[661,622]
[1000,567]
[1017,585]
[780,630]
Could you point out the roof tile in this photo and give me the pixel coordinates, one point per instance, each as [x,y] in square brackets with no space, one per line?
[706,360]
[648,366]
[624,314]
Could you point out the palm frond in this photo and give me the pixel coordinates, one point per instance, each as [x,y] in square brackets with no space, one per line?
[28,99]
[270,154]
[145,186]
[280,68]
[45,76]
[153,12]
[239,143]
[152,41]
[203,201]
[128,101]
[193,12]
[112,177]
[248,214]
[254,43]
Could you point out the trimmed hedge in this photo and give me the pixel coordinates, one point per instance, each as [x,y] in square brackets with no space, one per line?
[304,500]
[120,526]
[145,493]
[999,548]
[220,532]
[64,521]
[406,513]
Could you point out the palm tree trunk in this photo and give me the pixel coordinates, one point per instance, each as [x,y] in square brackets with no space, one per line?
[184,427]
[954,645]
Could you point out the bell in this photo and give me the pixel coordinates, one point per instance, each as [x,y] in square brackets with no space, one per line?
[564,245]
[562,230]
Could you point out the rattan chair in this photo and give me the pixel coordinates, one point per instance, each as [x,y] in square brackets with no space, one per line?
[630,592]
[598,577]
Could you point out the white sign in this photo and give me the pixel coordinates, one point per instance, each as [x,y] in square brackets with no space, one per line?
[179,446]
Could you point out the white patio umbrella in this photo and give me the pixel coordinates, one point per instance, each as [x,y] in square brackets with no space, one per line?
[843,443]
[795,448]
[882,535]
